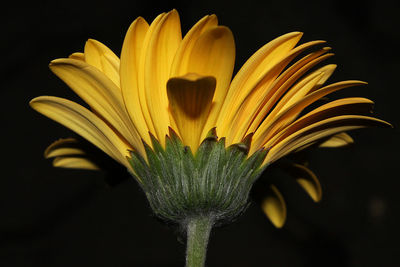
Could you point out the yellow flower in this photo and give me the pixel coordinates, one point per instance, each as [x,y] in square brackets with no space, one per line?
[163,81]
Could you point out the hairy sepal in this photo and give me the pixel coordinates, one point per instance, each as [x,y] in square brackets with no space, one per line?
[213,182]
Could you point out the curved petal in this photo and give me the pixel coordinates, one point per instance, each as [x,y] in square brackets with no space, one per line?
[142,72]
[274,207]
[103,58]
[214,55]
[338,140]
[85,123]
[256,97]
[285,81]
[67,153]
[319,130]
[162,46]
[63,147]
[75,163]
[180,64]
[305,86]
[344,106]
[132,50]
[307,180]
[100,93]
[273,123]
[77,56]
[260,62]
[190,99]
[110,66]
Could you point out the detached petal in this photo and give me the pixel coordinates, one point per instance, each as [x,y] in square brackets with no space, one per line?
[190,98]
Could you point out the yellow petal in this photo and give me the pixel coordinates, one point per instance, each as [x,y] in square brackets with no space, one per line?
[344,106]
[132,50]
[190,99]
[75,163]
[103,58]
[285,81]
[273,123]
[100,93]
[261,62]
[94,49]
[295,94]
[142,72]
[180,64]
[274,207]
[248,109]
[214,55]
[310,83]
[84,123]
[63,147]
[300,142]
[338,140]
[110,66]
[318,131]
[77,56]
[162,46]
[307,180]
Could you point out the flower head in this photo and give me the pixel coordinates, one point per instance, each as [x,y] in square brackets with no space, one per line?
[169,111]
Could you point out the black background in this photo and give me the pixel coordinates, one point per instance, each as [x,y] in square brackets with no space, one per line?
[56,217]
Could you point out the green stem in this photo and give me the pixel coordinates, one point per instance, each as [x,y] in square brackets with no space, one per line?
[198,233]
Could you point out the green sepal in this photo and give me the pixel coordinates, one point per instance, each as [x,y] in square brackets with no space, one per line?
[211,135]
[244,145]
[156,144]
[213,182]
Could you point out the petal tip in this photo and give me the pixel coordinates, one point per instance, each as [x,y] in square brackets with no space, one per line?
[34,101]
[298,33]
